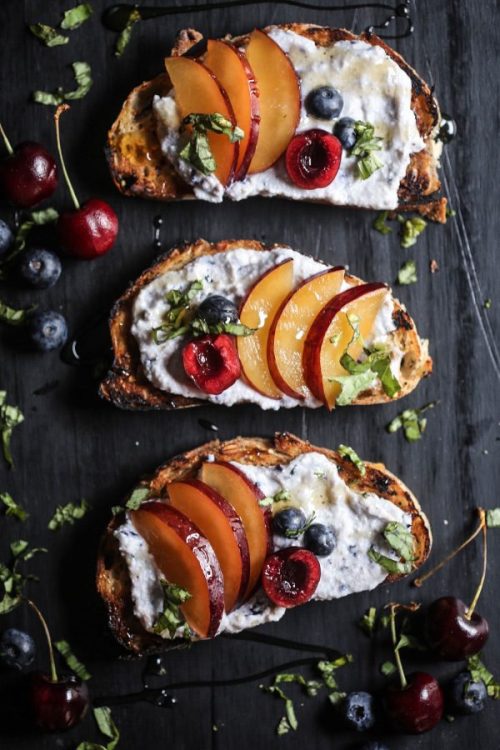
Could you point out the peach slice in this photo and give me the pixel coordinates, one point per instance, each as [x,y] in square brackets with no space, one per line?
[279,99]
[197,91]
[222,526]
[331,333]
[244,496]
[233,72]
[186,558]
[291,325]
[258,311]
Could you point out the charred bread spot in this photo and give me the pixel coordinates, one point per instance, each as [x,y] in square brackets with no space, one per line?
[402,320]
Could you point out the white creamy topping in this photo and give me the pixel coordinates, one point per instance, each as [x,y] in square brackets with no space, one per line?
[314,485]
[374,89]
[231,274]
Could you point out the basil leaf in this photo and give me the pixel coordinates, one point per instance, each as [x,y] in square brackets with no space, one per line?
[10,417]
[390,565]
[388,380]
[107,726]
[215,122]
[68,514]
[401,540]
[368,165]
[493,518]
[328,669]
[347,452]
[199,327]
[171,618]
[18,547]
[369,621]
[137,497]
[48,35]
[380,223]
[197,150]
[353,385]
[411,421]
[74,17]
[83,77]
[410,230]
[408,273]
[12,508]
[126,34]
[13,316]
[73,663]
[366,143]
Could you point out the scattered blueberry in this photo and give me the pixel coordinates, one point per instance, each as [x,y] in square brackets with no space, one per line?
[467,696]
[325,102]
[344,130]
[358,711]
[217,309]
[47,330]
[17,649]
[40,268]
[320,539]
[288,520]
[6,237]
[373,746]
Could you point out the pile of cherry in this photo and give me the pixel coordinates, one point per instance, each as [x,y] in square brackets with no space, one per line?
[29,176]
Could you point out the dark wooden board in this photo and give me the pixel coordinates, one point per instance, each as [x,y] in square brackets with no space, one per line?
[73,446]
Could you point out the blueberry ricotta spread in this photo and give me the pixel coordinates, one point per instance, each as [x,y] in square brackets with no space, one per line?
[311,483]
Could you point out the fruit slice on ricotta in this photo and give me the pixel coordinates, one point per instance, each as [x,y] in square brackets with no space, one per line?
[197,91]
[258,311]
[222,526]
[341,326]
[185,558]
[291,325]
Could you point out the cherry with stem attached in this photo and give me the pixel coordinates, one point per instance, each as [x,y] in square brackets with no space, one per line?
[57,703]
[90,229]
[28,174]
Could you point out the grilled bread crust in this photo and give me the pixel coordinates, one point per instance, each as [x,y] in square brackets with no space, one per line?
[139,168]
[113,582]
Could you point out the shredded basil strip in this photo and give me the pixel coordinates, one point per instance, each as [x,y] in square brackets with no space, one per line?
[68,514]
[380,223]
[411,421]
[126,35]
[71,660]
[107,727]
[48,35]
[197,149]
[83,77]
[171,618]
[493,518]
[408,273]
[74,17]
[10,417]
[390,565]
[13,316]
[12,508]
[366,143]
[347,452]
[411,229]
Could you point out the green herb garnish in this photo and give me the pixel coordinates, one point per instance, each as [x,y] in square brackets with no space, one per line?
[408,273]
[376,365]
[171,619]
[126,35]
[401,540]
[493,518]
[73,663]
[390,565]
[74,17]
[388,668]
[347,452]
[12,579]
[380,223]
[369,621]
[412,423]
[197,150]
[10,417]
[175,323]
[366,143]
[480,673]
[68,514]
[83,77]
[48,35]
[13,316]
[12,508]
[107,727]
[410,230]
[487,304]
[199,327]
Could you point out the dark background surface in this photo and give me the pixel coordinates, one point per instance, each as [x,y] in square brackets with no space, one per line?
[72,445]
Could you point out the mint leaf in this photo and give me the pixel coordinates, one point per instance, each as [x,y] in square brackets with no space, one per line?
[74,17]
[347,452]
[48,35]
[12,508]
[68,514]
[73,663]
[408,273]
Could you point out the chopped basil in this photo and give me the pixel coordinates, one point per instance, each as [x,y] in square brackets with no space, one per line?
[328,670]
[408,273]
[410,230]
[199,327]
[126,35]
[74,17]
[107,727]
[12,508]
[412,423]
[401,540]
[171,619]
[311,686]
[487,303]
[353,385]
[369,621]
[10,417]
[388,668]
[347,452]
[479,672]
[289,720]
[12,580]
[295,533]
[68,514]
[380,223]
[48,35]
[19,547]
[366,143]
[197,149]
[282,496]
[73,663]
[179,302]
[376,365]
[83,77]
[493,518]
[13,316]
[390,565]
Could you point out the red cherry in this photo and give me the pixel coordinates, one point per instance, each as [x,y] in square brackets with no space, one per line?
[313,159]
[57,705]
[291,576]
[28,175]
[417,707]
[89,231]
[212,362]
[450,633]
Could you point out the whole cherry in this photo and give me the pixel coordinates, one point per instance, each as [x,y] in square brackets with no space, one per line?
[89,230]
[28,175]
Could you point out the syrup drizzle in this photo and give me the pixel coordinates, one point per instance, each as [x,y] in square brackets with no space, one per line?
[117,16]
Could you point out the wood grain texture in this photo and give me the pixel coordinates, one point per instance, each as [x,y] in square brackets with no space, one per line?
[72,445]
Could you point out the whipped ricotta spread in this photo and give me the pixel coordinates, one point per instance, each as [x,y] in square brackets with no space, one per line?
[374,89]
[312,483]
[231,274]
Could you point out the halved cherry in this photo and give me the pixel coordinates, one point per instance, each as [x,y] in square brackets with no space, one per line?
[212,362]
[313,159]
[291,576]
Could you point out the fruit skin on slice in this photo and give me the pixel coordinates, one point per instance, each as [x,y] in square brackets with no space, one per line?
[185,557]
[291,324]
[233,72]
[290,576]
[257,311]
[222,526]
[331,335]
[279,99]
[198,92]
[237,489]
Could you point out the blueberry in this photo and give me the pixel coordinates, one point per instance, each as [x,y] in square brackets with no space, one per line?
[6,237]
[467,696]
[325,102]
[373,746]
[217,309]
[40,268]
[288,520]
[358,711]
[344,130]
[47,330]
[17,649]
[320,539]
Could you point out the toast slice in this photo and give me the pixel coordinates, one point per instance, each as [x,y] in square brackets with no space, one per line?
[113,581]
[139,169]
[127,386]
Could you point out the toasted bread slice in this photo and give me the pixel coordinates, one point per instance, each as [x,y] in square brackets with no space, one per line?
[139,168]
[127,386]
[113,582]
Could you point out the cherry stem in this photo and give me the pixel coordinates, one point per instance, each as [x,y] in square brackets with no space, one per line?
[64,108]
[8,144]
[53,671]
[397,656]
[482,522]
[470,610]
